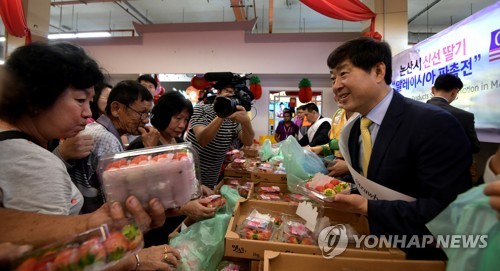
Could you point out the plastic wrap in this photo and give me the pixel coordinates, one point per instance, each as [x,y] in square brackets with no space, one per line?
[169,173]
[93,250]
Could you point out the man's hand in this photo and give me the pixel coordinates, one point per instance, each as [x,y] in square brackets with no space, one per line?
[10,252]
[350,203]
[338,169]
[240,116]
[197,210]
[110,213]
[77,147]
[493,190]
[150,136]
[206,191]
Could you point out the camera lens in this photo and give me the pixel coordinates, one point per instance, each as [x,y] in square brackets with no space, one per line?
[225,106]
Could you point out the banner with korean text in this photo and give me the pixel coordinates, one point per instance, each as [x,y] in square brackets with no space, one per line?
[469,49]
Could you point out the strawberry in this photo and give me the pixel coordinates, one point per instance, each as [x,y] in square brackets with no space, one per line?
[334,182]
[307,241]
[320,188]
[293,240]
[91,251]
[116,245]
[139,159]
[133,236]
[308,185]
[179,155]
[329,185]
[46,259]
[117,164]
[159,156]
[66,259]
[27,265]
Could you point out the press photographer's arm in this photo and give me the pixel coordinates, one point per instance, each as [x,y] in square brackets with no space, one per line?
[205,134]
[246,134]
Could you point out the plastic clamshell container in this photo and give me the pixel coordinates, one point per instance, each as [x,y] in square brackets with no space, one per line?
[295,232]
[260,225]
[93,250]
[341,188]
[169,173]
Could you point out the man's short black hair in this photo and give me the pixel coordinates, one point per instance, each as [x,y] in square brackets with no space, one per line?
[127,92]
[311,107]
[447,82]
[363,53]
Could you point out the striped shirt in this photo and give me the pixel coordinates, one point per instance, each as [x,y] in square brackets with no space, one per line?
[212,156]
[83,173]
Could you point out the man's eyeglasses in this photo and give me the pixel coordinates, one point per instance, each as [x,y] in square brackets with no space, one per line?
[143,115]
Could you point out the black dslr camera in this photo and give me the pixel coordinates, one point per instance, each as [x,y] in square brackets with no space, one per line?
[225,106]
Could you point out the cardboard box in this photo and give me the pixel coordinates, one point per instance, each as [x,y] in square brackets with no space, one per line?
[268,177]
[251,152]
[254,249]
[281,261]
[229,171]
[244,264]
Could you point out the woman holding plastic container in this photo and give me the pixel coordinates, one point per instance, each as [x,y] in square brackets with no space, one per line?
[171,116]
[45,90]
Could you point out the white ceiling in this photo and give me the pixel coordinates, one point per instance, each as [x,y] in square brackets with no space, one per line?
[290,16]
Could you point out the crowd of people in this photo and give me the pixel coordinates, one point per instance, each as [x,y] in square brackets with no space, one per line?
[57,93]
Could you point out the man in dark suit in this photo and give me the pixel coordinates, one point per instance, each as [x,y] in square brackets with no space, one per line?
[318,132]
[420,155]
[445,91]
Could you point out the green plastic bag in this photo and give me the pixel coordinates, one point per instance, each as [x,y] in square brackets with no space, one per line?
[469,214]
[201,245]
[299,163]
[489,259]
[266,151]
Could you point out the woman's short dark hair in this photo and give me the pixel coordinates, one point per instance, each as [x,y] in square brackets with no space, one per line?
[94,107]
[127,92]
[148,78]
[39,73]
[170,104]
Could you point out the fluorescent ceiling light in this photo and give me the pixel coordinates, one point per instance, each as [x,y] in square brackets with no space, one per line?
[93,35]
[79,35]
[2,39]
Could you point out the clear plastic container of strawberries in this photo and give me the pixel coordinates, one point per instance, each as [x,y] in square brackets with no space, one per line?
[169,173]
[260,225]
[323,188]
[93,250]
[295,232]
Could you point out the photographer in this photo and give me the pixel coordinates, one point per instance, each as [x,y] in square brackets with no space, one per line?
[212,135]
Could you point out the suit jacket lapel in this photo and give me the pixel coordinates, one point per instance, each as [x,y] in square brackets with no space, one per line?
[388,128]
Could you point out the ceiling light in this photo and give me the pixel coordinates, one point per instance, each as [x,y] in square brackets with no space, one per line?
[79,35]
[2,39]
[93,35]
[61,36]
